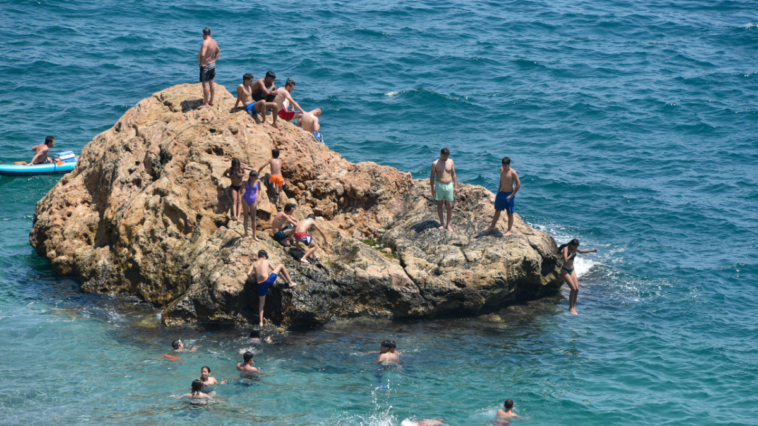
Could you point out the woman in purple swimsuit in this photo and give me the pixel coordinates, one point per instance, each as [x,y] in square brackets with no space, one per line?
[250,206]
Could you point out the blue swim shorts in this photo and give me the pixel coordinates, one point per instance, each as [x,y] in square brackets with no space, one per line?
[318,137]
[250,108]
[264,286]
[503,203]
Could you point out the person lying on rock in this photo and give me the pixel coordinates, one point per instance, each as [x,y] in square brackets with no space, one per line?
[309,123]
[41,151]
[283,225]
[506,196]
[262,266]
[387,352]
[236,173]
[284,98]
[302,236]
[247,364]
[276,173]
[444,185]
[178,346]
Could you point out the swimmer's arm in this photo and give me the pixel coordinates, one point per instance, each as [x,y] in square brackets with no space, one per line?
[587,251]
[565,254]
[227,173]
[518,185]
[326,241]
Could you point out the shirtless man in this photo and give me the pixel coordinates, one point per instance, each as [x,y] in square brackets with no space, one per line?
[301,236]
[247,364]
[245,93]
[283,98]
[508,413]
[263,93]
[41,151]
[283,225]
[309,123]
[207,58]
[444,185]
[276,173]
[505,196]
[262,266]
[387,352]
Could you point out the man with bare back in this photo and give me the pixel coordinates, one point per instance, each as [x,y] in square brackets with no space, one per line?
[283,98]
[283,225]
[276,177]
[309,123]
[262,266]
[506,193]
[444,185]
[41,152]
[302,236]
[207,58]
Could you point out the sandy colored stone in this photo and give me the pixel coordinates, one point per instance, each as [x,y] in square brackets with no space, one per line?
[146,212]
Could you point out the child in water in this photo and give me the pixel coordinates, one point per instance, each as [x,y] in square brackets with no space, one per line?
[506,414]
[387,352]
[196,393]
[247,364]
[207,380]
[178,346]
[236,173]
[250,206]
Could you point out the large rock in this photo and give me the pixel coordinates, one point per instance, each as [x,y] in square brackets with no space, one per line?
[145,212]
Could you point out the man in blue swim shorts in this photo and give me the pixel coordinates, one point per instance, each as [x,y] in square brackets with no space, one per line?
[506,196]
[444,185]
[309,122]
[262,266]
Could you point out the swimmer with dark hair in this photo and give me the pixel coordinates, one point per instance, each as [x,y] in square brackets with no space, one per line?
[387,352]
[255,338]
[569,251]
[247,364]
[178,346]
[506,414]
[207,380]
[425,422]
[196,393]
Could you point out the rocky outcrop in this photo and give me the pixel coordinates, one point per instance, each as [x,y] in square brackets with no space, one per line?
[145,212]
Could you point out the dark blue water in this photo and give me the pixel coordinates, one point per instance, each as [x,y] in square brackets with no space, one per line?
[633,126]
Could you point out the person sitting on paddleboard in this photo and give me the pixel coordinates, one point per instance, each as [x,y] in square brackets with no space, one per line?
[41,150]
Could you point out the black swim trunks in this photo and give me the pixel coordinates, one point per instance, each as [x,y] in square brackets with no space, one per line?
[236,187]
[207,73]
[257,96]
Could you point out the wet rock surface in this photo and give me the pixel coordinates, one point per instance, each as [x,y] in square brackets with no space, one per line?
[146,212]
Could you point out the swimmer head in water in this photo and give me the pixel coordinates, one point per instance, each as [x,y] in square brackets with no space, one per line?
[205,372]
[177,344]
[197,386]
[387,346]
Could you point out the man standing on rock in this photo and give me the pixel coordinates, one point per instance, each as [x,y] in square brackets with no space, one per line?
[444,185]
[283,97]
[506,196]
[283,224]
[262,266]
[301,236]
[309,123]
[207,58]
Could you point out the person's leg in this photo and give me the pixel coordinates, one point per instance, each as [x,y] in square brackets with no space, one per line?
[210,87]
[494,222]
[311,249]
[236,205]
[274,108]
[206,91]
[576,292]
[261,304]
[573,289]
[245,212]
[281,269]
[440,205]
[254,219]
[279,194]
[510,224]
[258,109]
[449,215]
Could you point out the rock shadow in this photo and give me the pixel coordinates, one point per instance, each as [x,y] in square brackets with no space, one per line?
[189,105]
[427,224]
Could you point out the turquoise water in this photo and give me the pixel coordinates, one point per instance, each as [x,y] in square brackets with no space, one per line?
[633,126]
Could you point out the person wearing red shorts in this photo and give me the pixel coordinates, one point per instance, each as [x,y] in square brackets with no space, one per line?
[302,236]
[284,98]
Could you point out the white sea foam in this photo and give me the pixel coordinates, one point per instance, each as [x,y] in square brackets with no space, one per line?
[750,25]
[391,94]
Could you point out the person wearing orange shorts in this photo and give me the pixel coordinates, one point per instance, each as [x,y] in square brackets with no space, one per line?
[276,173]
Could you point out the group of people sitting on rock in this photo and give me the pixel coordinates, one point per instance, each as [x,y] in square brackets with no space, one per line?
[258,97]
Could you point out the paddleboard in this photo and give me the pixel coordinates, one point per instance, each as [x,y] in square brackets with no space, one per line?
[37,169]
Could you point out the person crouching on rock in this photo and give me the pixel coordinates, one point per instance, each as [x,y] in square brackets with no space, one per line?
[301,236]
[283,225]
[236,173]
[250,206]
[262,266]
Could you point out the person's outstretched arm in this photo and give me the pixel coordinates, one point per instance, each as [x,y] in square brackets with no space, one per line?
[326,241]
[587,251]
[292,101]
[264,166]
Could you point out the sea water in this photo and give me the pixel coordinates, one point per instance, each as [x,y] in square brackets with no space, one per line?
[631,124]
